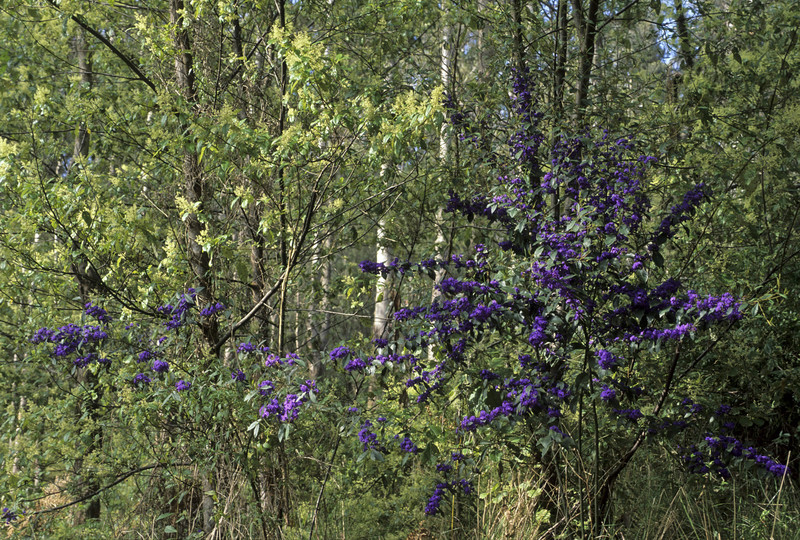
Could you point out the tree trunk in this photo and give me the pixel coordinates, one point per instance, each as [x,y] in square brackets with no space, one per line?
[447,80]
[586,26]
[383,289]
[87,279]
[194,186]
[195,193]
[687,55]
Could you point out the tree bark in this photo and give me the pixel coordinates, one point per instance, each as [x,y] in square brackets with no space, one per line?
[447,80]
[687,55]
[195,193]
[194,185]
[87,279]
[586,26]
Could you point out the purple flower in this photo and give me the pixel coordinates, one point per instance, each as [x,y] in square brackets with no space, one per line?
[83,361]
[291,408]
[97,312]
[309,386]
[369,267]
[723,410]
[340,353]
[631,414]
[182,385]
[9,516]
[43,335]
[272,360]
[160,366]
[177,313]
[211,310]
[487,375]
[245,348]
[141,378]
[608,394]
[436,499]
[407,445]
[356,364]
[286,412]
[238,376]
[369,439]
[466,486]
[266,388]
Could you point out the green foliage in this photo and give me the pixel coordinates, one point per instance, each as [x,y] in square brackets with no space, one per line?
[295,172]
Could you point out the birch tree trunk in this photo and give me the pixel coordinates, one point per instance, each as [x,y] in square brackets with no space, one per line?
[383,288]
[446,75]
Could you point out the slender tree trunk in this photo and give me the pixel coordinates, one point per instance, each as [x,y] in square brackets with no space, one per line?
[194,184]
[195,193]
[383,289]
[519,47]
[87,280]
[685,46]
[282,191]
[560,61]
[559,75]
[14,443]
[447,80]
[586,26]
[321,324]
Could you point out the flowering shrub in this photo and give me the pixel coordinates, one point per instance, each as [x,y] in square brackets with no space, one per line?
[565,321]
[157,367]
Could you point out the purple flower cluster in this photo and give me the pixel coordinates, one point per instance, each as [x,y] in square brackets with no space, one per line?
[679,214]
[286,411]
[471,423]
[309,387]
[368,438]
[177,313]
[358,364]
[9,516]
[70,338]
[274,360]
[607,360]
[146,356]
[182,385]
[160,366]
[97,312]
[340,353]
[717,451]
[140,379]
[631,414]
[245,347]
[407,445]
[435,501]
[211,310]
[266,387]
[81,341]
[608,394]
